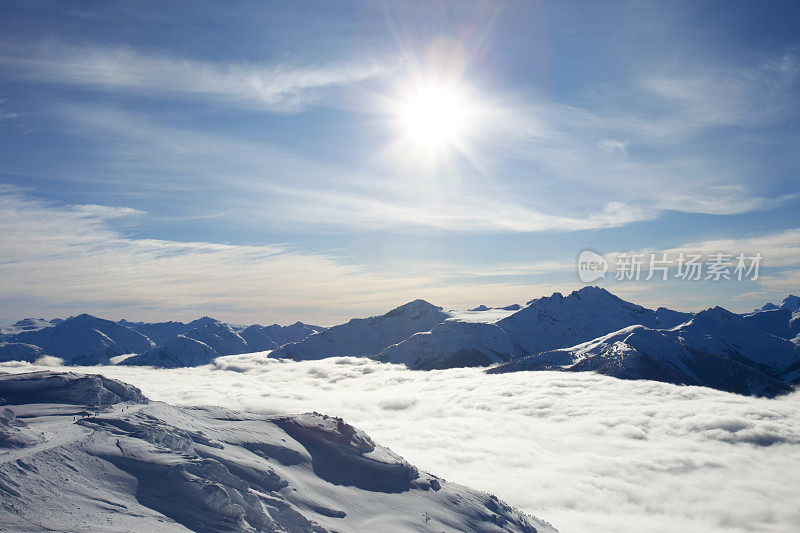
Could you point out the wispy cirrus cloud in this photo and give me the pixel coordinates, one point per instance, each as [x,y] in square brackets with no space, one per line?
[780,249]
[683,138]
[64,259]
[280,87]
[263,183]
[778,272]
[71,259]
[622,156]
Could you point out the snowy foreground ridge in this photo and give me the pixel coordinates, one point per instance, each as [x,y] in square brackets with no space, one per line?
[92,453]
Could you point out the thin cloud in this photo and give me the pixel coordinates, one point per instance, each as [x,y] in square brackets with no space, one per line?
[614,145]
[71,259]
[659,118]
[279,87]
[780,249]
[302,192]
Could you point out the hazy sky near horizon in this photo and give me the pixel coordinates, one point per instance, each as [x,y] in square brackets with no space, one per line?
[273,162]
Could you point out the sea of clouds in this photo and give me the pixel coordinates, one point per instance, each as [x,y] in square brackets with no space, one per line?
[583,451]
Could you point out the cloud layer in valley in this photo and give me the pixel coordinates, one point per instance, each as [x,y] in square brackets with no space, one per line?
[583,451]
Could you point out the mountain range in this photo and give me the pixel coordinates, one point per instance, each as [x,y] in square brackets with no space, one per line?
[89,340]
[592,329]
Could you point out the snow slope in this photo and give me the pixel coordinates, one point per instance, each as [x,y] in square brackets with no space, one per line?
[18,351]
[108,465]
[177,352]
[779,322]
[720,332]
[85,339]
[296,332]
[67,388]
[27,324]
[638,352]
[158,332]
[212,338]
[173,349]
[257,338]
[790,303]
[366,336]
[544,324]
[452,344]
[561,321]
[221,337]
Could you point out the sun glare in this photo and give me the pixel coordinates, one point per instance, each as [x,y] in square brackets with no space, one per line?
[434,116]
[437,114]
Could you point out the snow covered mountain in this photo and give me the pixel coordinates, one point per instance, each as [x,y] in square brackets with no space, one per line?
[221,337]
[84,339]
[544,324]
[481,308]
[212,338]
[177,352]
[86,452]
[292,333]
[366,336]
[715,348]
[422,336]
[638,352]
[257,338]
[453,344]
[719,332]
[790,303]
[781,322]
[158,332]
[27,324]
[19,351]
[198,346]
[260,338]
[560,321]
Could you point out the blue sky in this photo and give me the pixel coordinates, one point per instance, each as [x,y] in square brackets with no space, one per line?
[256,161]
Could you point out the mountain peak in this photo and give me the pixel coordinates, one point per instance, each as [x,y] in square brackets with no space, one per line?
[716,312]
[420,306]
[31,323]
[366,336]
[84,317]
[791,302]
[592,291]
[202,321]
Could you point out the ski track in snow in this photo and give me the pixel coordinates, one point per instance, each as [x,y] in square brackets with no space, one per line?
[583,451]
[54,433]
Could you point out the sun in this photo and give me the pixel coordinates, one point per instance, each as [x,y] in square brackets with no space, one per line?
[434,116]
[438,113]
